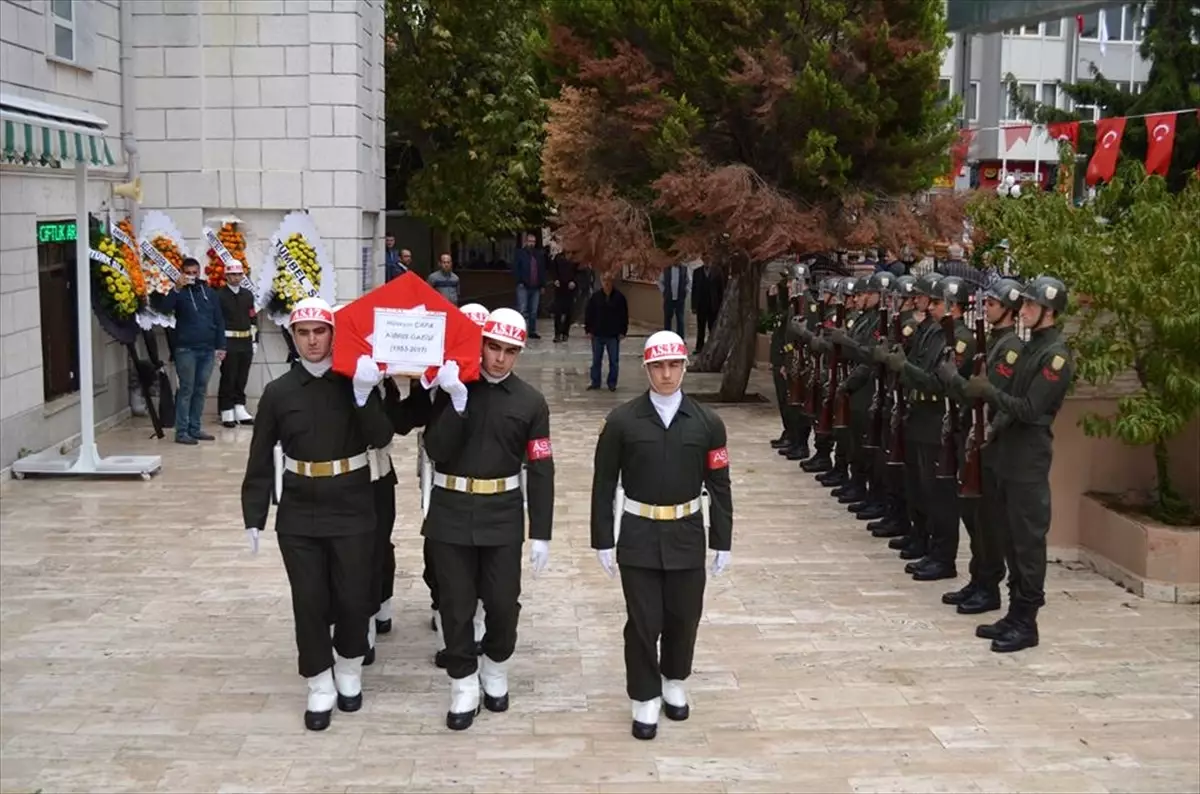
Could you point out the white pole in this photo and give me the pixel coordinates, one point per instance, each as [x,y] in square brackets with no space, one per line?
[88,456]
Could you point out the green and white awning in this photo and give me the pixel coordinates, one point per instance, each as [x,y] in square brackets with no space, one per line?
[39,134]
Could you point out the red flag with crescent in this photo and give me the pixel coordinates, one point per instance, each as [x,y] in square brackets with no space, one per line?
[1103,164]
[1064,129]
[354,326]
[1160,135]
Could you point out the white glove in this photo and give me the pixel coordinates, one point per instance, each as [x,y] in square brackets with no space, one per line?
[720,562]
[252,534]
[608,561]
[539,556]
[254,348]
[367,376]
[447,380]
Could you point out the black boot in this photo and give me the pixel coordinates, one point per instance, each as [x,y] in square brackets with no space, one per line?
[855,493]
[833,478]
[897,543]
[797,452]
[993,631]
[818,463]
[1022,632]
[982,600]
[871,512]
[836,493]
[781,442]
[912,551]
[956,597]
[857,507]
[932,571]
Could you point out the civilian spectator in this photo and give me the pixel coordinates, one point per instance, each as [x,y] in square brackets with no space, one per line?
[606,321]
[673,284]
[445,280]
[529,268]
[199,340]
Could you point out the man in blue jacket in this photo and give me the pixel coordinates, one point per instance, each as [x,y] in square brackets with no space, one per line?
[529,268]
[199,340]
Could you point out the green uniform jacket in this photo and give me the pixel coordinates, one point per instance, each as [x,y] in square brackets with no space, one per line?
[1021,435]
[925,396]
[662,466]
[505,424]
[1004,349]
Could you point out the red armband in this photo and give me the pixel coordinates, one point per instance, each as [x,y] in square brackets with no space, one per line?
[718,459]
[1004,370]
[1049,374]
[539,449]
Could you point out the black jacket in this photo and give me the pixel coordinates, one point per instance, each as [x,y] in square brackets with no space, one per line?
[315,419]
[238,310]
[505,424]
[606,315]
[662,466]
[708,290]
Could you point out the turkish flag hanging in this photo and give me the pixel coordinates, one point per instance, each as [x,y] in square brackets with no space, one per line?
[959,150]
[355,326]
[1014,134]
[1064,129]
[1160,129]
[1103,164]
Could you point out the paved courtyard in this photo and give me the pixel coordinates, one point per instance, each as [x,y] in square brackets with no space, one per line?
[142,648]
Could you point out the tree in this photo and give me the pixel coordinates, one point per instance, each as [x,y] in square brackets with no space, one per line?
[740,131]
[1132,258]
[465,111]
[1171,43]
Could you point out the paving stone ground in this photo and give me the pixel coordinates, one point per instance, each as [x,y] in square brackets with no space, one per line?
[143,649]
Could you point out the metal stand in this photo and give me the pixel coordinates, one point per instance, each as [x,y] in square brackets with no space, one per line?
[86,460]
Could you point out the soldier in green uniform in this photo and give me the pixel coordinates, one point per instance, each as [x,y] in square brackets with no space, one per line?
[794,357]
[657,459]
[895,523]
[1022,443]
[813,333]
[777,302]
[864,494]
[923,431]
[846,292]
[985,517]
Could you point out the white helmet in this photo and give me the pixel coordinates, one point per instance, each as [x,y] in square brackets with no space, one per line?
[476,313]
[311,310]
[664,346]
[506,325]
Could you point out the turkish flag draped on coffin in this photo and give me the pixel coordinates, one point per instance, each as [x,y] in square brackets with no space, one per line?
[355,324]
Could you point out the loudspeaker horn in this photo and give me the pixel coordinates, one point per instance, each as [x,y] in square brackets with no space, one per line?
[130,190]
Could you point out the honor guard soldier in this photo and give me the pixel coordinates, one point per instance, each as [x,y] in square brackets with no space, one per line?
[802,331]
[923,423]
[985,517]
[1022,444]
[777,303]
[839,477]
[476,519]
[794,357]
[660,479]
[478,314]
[326,516]
[237,306]
[895,524]
[864,493]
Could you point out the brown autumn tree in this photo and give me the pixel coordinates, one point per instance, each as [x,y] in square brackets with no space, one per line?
[741,131]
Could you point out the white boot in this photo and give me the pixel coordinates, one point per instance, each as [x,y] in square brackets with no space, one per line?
[321,696]
[675,703]
[464,702]
[494,678]
[369,659]
[227,419]
[645,717]
[480,622]
[347,674]
[242,416]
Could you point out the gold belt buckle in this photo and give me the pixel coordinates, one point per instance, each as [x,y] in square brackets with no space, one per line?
[662,513]
[485,487]
[320,468]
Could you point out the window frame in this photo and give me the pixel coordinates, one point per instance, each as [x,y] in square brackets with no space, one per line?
[53,22]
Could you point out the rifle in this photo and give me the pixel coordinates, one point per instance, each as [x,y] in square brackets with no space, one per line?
[812,401]
[841,405]
[831,418]
[896,450]
[878,403]
[947,463]
[971,484]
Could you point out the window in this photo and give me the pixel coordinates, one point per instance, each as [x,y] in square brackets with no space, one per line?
[972,101]
[62,29]
[56,292]
[1051,29]
[1028,91]
[1124,23]
[1049,95]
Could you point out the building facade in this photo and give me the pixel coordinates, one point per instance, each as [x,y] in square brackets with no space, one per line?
[1040,57]
[250,108]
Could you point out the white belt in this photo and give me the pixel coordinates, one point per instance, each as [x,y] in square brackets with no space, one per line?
[325,468]
[237,334]
[663,512]
[454,482]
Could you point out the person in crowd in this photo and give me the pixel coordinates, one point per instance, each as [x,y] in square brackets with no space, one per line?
[606,322]
[199,341]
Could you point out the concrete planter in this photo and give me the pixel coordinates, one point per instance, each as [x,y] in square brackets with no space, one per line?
[762,349]
[1155,561]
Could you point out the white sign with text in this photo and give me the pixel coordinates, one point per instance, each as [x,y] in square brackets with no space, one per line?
[411,339]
